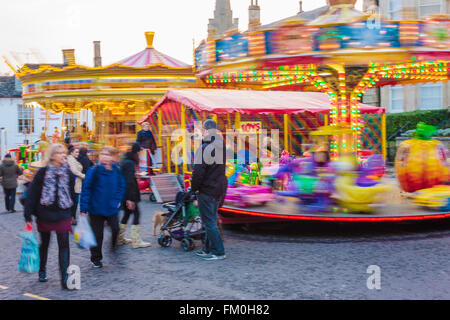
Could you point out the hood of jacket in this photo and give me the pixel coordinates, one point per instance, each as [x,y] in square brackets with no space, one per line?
[132,156]
[8,162]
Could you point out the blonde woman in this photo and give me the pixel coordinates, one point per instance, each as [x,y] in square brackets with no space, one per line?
[50,199]
[77,169]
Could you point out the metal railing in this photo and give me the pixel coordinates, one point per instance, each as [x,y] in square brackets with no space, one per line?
[442,123]
[398,131]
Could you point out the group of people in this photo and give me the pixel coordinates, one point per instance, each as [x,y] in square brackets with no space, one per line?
[101,190]
[69,178]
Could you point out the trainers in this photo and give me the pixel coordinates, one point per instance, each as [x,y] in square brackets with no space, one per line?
[42,276]
[202,253]
[97,264]
[214,257]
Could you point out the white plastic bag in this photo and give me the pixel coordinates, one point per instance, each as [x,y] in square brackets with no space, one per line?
[84,237]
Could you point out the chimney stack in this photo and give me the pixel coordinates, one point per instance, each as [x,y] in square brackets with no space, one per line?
[68,56]
[254,15]
[301,6]
[97,54]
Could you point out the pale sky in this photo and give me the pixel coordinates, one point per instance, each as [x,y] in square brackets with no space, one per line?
[48,26]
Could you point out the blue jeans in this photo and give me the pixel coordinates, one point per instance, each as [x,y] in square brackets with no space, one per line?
[208,207]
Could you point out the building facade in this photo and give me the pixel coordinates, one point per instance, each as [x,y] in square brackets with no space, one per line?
[20,124]
[223,19]
[428,96]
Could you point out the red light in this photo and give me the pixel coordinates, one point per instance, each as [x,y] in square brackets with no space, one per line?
[360,219]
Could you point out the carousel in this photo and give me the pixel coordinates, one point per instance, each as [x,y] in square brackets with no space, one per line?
[341,176]
[103,102]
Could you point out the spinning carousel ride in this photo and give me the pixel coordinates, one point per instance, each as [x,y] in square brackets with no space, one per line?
[342,53]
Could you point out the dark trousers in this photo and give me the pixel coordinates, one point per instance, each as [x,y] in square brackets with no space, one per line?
[149,163]
[10,198]
[98,225]
[63,255]
[126,215]
[75,205]
[208,207]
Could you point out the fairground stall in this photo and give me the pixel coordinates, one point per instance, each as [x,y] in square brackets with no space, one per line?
[101,104]
[298,185]
[293,114]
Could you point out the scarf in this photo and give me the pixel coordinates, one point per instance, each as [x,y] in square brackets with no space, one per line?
[57,180]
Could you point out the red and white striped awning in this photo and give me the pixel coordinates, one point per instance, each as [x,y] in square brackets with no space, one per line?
[151,56]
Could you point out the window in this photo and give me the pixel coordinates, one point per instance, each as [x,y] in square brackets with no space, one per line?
[426,8]
[396,98]
[430,96]
[395,9]
[372,97]
[25,118]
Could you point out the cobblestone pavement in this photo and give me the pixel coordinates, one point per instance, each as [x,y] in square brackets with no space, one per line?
[298,262]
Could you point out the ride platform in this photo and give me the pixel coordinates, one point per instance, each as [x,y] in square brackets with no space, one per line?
[388,213]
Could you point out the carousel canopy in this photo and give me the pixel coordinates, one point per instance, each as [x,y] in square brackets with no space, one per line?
[151,56]
[253,102]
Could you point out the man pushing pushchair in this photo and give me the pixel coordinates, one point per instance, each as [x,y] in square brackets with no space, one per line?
[209,183]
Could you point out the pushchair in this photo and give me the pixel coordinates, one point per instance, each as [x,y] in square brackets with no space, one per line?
[183,222]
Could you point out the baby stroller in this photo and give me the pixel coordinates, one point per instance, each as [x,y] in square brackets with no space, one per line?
[183,223]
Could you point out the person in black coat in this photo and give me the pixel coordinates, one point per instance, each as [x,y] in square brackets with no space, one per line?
[50,199]
[147,141]
[209,183]
[132,198]
[84,159]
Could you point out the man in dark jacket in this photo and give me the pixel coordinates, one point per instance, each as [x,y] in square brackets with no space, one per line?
[208,182]
[132,198]
[9,171]
[147,141]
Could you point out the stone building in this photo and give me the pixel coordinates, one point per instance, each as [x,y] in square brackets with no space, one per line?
[406,98]
[20,124]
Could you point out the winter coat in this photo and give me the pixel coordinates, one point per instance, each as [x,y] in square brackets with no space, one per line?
[207,178]
[146,140]
[128,166]
[77,169]
[45,214]
[9,171]
[103,191]
[85,162]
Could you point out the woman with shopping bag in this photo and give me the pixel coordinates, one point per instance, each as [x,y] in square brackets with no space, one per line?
[50,198]
[29,253]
